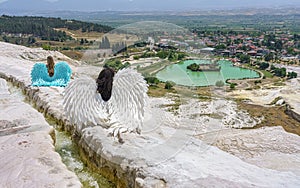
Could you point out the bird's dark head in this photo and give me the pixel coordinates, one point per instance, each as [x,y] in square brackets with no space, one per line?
[105,83]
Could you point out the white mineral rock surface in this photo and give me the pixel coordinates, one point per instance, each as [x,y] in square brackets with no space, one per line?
[290,94]
[175,150]
[27,156]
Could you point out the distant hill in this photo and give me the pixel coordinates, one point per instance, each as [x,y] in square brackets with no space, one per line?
[44,27]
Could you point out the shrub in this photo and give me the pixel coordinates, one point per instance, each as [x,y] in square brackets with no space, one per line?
[273,67]
[257,81]
[136,57]
[169,85]
[46,47]
[116,64]
[152,80]
[232,85]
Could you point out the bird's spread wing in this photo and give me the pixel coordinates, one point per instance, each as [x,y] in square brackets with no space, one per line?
[128,100]
[83,105]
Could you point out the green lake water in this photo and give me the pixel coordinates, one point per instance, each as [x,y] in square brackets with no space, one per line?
[179,74]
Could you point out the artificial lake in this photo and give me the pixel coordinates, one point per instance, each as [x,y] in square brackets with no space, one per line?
[179,73]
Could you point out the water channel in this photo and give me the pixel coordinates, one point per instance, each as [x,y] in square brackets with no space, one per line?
[69,151]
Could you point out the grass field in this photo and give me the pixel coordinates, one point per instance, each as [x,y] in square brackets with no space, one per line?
[267,74]
[77,34]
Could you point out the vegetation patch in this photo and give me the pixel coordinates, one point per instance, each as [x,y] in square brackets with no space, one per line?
[275,100]
[173,107]
[273,116]
[159,90]
[116,64]
[44,28]
[267,74]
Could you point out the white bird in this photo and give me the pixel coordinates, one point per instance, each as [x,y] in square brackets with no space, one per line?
[116,102]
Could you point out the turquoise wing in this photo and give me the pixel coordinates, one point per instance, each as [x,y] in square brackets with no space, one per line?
[61,77]
[39,74]
[62,74]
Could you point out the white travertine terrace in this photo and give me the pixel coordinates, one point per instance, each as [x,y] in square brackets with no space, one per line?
[27,156]
[172,150]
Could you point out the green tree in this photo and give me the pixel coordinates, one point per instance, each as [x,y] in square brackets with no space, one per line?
[290,50]
[31,40]
[273,67]
[280,72]
[5,38]
[44,28]
[220,47]
[291,75]
[269,57]
[278,45]
[181,56]
[264,66]
[193,67]
[162,54]
[244,58]
[81,41]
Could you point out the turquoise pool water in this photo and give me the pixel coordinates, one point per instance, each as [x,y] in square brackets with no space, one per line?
[179,74]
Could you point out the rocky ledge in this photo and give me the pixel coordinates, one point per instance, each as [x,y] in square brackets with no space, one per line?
[173,150]
[27,152]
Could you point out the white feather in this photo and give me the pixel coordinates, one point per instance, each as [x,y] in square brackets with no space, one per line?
[123,112]
[128,100]
[82,103]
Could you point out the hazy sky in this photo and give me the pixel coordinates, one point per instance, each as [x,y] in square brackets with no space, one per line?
[143,5]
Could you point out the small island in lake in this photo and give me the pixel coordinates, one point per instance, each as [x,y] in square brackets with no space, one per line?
[204,67]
